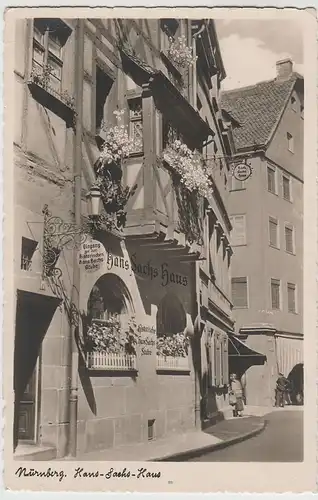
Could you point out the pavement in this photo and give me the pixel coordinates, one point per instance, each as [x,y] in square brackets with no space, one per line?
[281,441]
[181,447]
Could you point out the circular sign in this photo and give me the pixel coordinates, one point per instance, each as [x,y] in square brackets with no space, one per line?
[242,171]
[91,256]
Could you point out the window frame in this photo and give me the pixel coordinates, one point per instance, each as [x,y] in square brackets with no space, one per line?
[275,221]
[247,291]
[232,217]
[135,96]
[288,178]
[274,171]
[290,142]
[28,248]
[292,286]
[288,225]
[276,281]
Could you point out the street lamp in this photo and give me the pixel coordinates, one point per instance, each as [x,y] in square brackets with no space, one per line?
[94,198]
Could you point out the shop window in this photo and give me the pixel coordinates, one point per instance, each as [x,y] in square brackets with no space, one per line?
[103,86]
[239,292]
[273,233]
[136,123]
[291,297]
[49,38]
[238,234]
[218,362]
[289,238]
[28,248]
[275,293]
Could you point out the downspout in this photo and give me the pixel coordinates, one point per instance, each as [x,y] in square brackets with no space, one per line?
[75,297]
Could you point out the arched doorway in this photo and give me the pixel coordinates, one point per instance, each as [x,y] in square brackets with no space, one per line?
[296,379]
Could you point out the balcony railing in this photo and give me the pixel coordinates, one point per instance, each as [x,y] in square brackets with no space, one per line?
[111,362]
[171,363]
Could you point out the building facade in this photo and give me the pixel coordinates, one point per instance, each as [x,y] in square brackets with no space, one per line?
[122,321]
[266,212]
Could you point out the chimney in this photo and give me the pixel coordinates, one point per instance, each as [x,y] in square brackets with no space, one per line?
[284,68]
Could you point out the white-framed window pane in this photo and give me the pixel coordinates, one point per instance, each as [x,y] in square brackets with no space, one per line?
[289,239]
[271,180]
[286,188]
[273,232]
[38,34]
[275,293]
[136,124]
[54,45]
[238,233]
[38,54]
[56,67]
[291,297]
[239,292]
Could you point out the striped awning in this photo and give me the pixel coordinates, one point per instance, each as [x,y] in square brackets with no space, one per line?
[289,354]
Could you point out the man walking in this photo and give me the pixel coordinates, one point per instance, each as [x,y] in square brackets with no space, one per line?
[280,392]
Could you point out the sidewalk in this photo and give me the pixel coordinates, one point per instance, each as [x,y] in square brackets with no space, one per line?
[183,446]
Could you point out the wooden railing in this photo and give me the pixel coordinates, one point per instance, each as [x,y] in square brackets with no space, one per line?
[111,362]
[171,363]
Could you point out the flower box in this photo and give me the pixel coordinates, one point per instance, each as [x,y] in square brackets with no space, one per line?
[171,363]
[110,361]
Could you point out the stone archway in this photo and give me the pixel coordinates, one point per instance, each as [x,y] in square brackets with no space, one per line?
[296,379]
[109,296]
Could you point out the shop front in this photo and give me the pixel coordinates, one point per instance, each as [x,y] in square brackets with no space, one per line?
[136,367]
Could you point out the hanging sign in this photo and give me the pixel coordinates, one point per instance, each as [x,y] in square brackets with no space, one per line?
[91,256]
[242,171]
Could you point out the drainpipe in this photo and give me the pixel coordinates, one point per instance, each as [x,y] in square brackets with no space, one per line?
[73,397]
[194,66]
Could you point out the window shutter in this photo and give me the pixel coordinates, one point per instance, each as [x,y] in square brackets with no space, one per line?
[239,292]
[286,188]
[291,289]
[275,290]
[217,358]
[225,361]
[239,230]
[212,361]
[289,239]
[273,229]
[271,180]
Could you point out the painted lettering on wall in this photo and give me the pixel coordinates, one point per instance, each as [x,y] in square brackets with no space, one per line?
[163,273]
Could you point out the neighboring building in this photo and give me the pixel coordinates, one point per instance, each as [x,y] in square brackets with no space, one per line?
[266,212]
[150,281]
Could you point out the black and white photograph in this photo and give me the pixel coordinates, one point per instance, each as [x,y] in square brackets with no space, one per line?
[158,169]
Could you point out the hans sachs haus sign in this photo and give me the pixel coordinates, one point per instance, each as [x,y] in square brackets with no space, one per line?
[92,255]
[242,171]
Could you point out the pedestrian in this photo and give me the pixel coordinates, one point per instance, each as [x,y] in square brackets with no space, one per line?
[236,395]
[280,393]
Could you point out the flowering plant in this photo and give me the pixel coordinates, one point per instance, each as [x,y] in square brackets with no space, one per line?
[118,144]
[189,165]
[109,336]
[175,345]
[43,77]
[180,52]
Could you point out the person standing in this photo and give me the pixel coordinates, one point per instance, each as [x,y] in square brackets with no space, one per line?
[280,393]
[236,395]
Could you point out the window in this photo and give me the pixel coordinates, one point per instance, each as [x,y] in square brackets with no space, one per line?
[237,185]
[27,250]
[49,37]
[273,232]
[293,103]
[103,86]
[239,292]
[135,123]
[275,293]
[289,238]
[286,188]
[151,426]
[238,234]
[290,142]
[271,180]
[169,133]
[291,297]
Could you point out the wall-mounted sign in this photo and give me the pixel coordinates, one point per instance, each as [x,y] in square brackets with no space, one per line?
[242,171]
[91,256]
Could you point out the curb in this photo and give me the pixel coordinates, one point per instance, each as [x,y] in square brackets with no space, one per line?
[175,457]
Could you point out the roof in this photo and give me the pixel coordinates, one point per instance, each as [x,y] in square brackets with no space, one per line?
[258,108]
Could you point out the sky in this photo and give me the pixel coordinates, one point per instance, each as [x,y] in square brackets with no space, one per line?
[250,49]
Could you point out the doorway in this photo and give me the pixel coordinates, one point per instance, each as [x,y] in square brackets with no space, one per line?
[34,313]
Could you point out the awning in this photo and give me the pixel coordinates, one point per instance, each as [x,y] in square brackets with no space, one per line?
[289,354]
[242,357]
